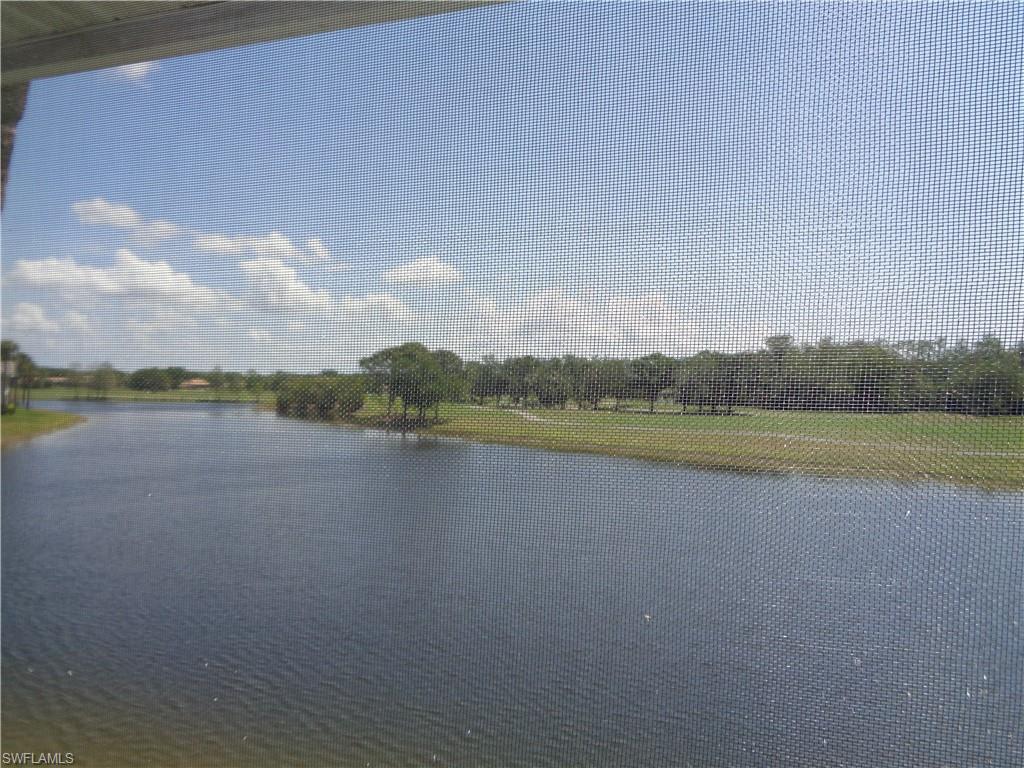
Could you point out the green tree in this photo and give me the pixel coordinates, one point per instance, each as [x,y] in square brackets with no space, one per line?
[176,375]
[455,374]
[28,376]
[419,380]
[380,367]
[104,379]
[777,379]
[276,381]
[8,354]
[615,380]
[253,381]
[989,380]
[652,375]
[708,381]
[591,387]
[321,397]
[550,386]
[519,375]
[414,374]
[76,378]
[216,377]
[235,382]
[150,380]
[488,380]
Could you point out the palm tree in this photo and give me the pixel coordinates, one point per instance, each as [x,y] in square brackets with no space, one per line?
[27,374]
[8,368]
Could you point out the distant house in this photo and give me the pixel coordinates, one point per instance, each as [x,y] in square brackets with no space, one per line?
[56,380]
[194,384]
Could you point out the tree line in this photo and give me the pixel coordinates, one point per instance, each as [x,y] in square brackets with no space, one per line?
[983,378]
[101,379]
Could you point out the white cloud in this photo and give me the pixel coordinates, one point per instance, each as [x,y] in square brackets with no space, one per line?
[553,308]
[274,245]
[101,211]
[128,276]
[646,322]
[154,231]
[426,272]
[317,249]
[63,275]
[377,306]
[274,285]
[216,244]
[79,323]
[135,73]
[556,322]
[158,279]
[28,317]
[553,321]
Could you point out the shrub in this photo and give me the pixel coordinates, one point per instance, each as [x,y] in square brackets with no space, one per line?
[321,397]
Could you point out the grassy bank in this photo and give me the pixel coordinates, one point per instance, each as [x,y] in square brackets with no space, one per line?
[25,424]
[980,451]
[170,396]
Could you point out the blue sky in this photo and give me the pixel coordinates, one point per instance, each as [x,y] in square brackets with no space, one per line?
[586,178]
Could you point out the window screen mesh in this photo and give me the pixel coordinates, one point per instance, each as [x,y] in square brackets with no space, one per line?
[534,385]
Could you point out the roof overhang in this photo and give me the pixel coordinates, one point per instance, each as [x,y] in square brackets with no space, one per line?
[43,39]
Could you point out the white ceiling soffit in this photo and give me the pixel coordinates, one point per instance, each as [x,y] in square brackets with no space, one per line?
[43,39]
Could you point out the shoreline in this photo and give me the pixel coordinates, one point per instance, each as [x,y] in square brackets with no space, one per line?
[967,451]
[979,452]
[26,424]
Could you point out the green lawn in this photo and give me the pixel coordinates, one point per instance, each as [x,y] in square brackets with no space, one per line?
[24,424]
[170,396]
[968,450]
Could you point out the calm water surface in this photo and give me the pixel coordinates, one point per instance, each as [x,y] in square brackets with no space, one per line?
[211,585]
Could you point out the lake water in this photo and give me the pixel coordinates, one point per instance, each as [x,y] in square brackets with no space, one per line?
[212,585]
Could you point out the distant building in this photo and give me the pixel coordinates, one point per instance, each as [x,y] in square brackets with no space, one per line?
[51,380]
[194,384]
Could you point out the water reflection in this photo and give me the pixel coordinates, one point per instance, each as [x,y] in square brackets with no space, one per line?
[227,587]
